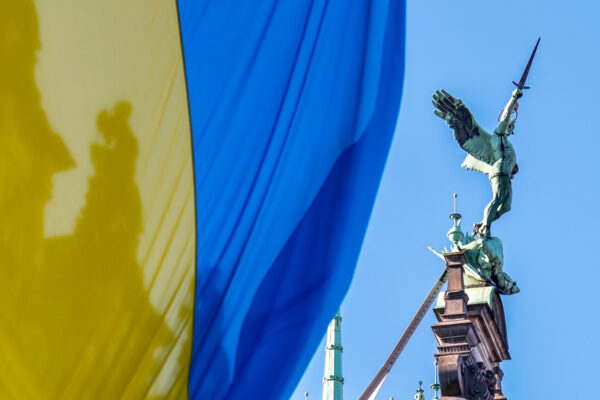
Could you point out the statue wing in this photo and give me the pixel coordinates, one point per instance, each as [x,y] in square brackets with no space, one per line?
[471,137]
[473,164]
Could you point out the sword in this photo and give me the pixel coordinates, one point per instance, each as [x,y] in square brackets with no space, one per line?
[521,84]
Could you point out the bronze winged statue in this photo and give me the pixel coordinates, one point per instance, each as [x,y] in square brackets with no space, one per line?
[493,154]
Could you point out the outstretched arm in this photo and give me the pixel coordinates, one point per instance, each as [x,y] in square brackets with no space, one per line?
[506,113]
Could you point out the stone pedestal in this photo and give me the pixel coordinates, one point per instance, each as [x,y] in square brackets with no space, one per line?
[471,334]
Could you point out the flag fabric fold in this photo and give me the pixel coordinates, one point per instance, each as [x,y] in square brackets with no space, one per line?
[293,106]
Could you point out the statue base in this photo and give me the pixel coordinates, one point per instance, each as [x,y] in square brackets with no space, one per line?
[472,338]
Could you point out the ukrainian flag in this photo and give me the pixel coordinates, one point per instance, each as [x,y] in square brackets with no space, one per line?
[184,188]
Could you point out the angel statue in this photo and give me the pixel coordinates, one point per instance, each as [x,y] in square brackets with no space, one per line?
[493,154]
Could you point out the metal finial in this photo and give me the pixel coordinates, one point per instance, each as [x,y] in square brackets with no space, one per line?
[455,234]
[455,216]
[306,395]
[419,394]
[436,385]
[455,196]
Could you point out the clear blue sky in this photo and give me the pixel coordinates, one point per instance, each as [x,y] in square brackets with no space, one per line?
[473,49]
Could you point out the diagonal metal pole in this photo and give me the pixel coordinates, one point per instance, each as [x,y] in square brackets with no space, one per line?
[371,392]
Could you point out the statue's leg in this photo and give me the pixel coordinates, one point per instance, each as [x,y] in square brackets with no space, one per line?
[506,189]
[501,201]
[489,214]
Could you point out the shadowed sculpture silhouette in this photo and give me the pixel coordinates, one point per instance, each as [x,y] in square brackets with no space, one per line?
[76,320]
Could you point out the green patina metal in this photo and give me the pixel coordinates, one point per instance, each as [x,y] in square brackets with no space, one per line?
[436,386]
[419,395]
[493,155]
[485,256]
[332,380]
[477,295]
[455,234]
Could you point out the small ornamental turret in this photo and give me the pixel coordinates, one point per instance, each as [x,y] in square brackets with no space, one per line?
[435,386]
[419,395]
